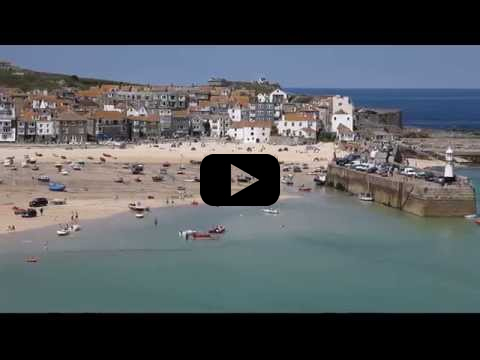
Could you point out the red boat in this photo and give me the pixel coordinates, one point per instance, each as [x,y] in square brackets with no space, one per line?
[194,203]
[202,236]
[477,221]
[166,164]
[18,211]
[218,229]
[306,189]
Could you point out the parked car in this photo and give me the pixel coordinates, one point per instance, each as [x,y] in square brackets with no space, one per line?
[408,172]
[372,169]
[38,202]
[30,213]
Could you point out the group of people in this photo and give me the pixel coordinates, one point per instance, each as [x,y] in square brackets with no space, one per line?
[74,216]
[11,228]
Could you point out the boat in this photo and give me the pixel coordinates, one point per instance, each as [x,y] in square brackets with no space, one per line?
[181,188]
[102,159]
[43,178]
[166,164]
[305,189]
[196,178]
[244,179]
[58,166]
[203,236]
[31,161]
[320,179]
[38,154]
[76,167]
[54,186]
[180,172]
[189,180]
[106,155]
[287,180]
[31,259]
[118,179]
[365,196]
[25,164]
[182,167]
[59,201]
[126,166]
[63,232]
[140,215]
[217,229]
[35,168]
[64,172]
[90,158]
[471,216]
[137,206]
[137,179]
[195,203]
[271,211]
[157,178]
[75,227]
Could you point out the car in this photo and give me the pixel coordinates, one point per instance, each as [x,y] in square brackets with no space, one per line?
[29,213]
[371,169]
[38,202]
[420,174]
[408,172]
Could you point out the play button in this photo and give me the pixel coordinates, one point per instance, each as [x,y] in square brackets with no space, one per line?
[240,180]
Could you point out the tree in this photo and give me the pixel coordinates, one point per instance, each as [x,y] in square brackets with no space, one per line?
[75,78]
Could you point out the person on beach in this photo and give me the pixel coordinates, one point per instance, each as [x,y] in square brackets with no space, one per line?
[76,215]
[156,222]
[41,211]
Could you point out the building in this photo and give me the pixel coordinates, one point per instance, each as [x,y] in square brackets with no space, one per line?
[299,125]
[111,125]
[262,111]
[250,132]
[219,124]
[7,120]
[145,127]
[342,117]
[345,134]
[180,125]
[278,97]
[71,128]
[217,82]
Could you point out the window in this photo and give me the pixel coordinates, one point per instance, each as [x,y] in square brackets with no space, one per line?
[285,123]
[251,134]
[300,124]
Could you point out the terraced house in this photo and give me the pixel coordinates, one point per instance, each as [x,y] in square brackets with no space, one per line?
[71,128]
[7,119]
[111,125]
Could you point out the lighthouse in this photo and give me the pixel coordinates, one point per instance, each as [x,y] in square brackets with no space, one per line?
[448,175]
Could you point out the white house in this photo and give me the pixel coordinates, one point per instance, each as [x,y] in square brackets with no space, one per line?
[235,113]
[261,98]
[298,124]
[344,133]
[7,117]
[278,96]
[131,111]
[109,107]
[341,117]
[219,124]
[251,132]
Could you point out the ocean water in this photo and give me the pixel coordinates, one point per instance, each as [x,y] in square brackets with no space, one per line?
[325,252]
[427,108]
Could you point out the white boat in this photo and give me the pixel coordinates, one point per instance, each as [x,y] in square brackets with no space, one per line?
[137,206]
[64,172]
[271,211]
[140,215]
[288,180]
[59,201]
[63,232]
[189,180]
[185,233]
[76,167]
[25,164]
[471,216]
[365,196]
[75,227]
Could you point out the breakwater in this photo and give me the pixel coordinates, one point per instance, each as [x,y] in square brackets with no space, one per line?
[415,196]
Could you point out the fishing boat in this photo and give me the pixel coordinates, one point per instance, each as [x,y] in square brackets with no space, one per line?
[54,186]
[157,178]
[195,203]
[271,211]
[365,196]
[320,179]
[181,188]
[180,172]
[166,164]
[75,227]
[182,167]
[64,172]
[287,180]
[31,259]
[140,215]
[217,229]
[63,231]
[118,179]
[137,206]
[471,216]
[477,221]
[58,201]
[106,155]
[126,166]
[43,178]
[25,164]
[76,167]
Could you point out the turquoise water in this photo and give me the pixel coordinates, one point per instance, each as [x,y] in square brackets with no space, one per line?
[333,254]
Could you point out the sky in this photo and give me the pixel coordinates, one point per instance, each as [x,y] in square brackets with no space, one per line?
[291,66]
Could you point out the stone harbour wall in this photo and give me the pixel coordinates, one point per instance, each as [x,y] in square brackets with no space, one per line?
[415,196]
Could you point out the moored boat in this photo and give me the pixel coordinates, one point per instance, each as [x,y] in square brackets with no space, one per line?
[217,229]
[320,179]
[63,232]
[140,215]
[157,178]
[365,196]
[43,178]
[31,259]
[471,216]
[54,186]
[304,188]
[271,211]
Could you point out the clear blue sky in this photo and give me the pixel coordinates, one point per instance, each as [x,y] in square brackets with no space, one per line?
[292,66]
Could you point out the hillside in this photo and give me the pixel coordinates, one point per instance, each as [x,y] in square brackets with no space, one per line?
[41,80]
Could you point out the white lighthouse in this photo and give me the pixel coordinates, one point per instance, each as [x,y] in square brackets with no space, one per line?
[449,165]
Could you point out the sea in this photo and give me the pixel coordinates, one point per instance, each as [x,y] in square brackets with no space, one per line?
[325,252]
[454,109]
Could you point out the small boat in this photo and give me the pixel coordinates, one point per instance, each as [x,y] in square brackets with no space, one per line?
[140,215]
[25,164]
[181,188]
[64,172]
[304,189]
[157,178]
[320,179]
[182,167]
[63,157]
[31,259]
[126,166]
[35,168]
[63,232]
[271,211]
[166,164]
[189,180]
[163,171]
[137,206]
[287,180]
[13,168]
[75,227]
[471,216]
[54,186]
[185,233]
[90,158]
[137,179]
[106,155]
[59,201]
[118,180]
[180,172]
[218,229]
[102,159]
[43,178]
[243,179]
[38,154]
[365,196]
[58,166]
[76,167]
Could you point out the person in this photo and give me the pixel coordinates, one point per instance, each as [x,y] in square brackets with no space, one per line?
[76,215]
[71,217]
[13,227]
[156,222]
[41,211]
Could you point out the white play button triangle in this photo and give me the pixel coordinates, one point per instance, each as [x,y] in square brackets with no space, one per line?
[241,173]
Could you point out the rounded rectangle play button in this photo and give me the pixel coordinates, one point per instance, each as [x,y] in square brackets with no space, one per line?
[240,180]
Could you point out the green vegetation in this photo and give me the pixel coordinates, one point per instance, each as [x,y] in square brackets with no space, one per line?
[38,80]
[326,136]
[259,88]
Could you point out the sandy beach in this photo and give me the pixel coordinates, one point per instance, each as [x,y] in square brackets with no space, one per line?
[92,193]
